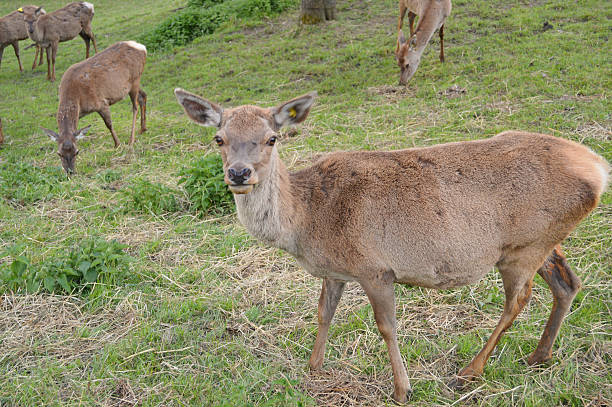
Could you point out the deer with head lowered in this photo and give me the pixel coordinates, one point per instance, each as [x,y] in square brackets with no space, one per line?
[94,85]
[12,30]
[48,30]
[436,217]
[432,15]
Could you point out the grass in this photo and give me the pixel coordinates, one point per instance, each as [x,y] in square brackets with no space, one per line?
[209,316]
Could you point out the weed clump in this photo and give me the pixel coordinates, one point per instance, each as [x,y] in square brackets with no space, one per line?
[148,197]
[92,263]
[203,182]
[202,17]
[24,183]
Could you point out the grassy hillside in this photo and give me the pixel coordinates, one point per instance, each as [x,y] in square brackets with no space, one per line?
[206,315]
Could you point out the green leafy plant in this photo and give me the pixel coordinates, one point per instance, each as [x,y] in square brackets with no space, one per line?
[202,17]
[203,182]
[149,197]
[25,183]
[94,260]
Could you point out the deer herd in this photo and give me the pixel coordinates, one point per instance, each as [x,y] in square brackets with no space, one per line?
[436,217]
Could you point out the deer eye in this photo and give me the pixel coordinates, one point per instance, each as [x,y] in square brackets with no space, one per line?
[218,140]
[271,141]
[77,153]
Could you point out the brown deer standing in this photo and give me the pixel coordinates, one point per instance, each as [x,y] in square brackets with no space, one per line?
[48,30]
[13,30]
[437,217]
[94,85]
[432,15]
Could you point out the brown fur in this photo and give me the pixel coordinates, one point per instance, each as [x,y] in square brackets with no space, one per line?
[94,85]
[440,217]
[62,25]
[13,30]
[432,15]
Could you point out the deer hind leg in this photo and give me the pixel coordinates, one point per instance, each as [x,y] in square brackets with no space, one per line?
[564,285]
[87,41]
[48,54]
[105,113]
[381,296]
[53,55]
[142,101]
[16,49]
[442,43]
[134,97]
[331,292]
[517,281]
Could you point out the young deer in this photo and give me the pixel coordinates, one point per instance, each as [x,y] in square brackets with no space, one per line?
[12,30]
[432,15]
[94,85]
[436,217]
[48,30]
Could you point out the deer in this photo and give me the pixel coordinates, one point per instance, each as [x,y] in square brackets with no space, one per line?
[432,16]
[12,30]
[438,217]
[93,85]
[48,30]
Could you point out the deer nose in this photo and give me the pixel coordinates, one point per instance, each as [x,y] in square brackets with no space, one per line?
[238,176]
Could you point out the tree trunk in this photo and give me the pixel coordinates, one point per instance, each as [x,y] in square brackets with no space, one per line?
[316,11]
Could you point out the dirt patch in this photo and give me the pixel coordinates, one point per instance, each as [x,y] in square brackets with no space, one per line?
[391,93]
[595,131]
[454,91]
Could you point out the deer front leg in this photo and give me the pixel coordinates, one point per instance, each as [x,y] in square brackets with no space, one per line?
[380,293]
[36,57]
[48,54]
[53,55]
[16,49]
[104,112]
[328,301]
[411,17]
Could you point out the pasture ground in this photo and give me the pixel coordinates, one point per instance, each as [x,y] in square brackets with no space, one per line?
[212,317]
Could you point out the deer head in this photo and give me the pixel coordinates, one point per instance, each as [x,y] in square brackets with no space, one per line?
[30,16]
[246,135]
[407,56]
[66,146]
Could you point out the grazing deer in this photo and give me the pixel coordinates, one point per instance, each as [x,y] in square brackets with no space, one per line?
[432,15]
[48,30]
[12,30]
[436,217]
[94,85]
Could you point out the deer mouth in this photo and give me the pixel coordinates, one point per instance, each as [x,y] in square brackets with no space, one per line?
[241,189]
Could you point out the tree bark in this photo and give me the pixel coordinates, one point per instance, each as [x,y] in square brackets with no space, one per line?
[316,11]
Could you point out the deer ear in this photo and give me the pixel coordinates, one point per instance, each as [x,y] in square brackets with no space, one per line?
[79,135]
[401,39]
[37,11]
[52,135]
[201,111]
[294,111]
[413,41]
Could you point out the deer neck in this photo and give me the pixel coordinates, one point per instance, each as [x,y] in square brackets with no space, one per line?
[38,34]
[269,212]
[426,27]
[67,118]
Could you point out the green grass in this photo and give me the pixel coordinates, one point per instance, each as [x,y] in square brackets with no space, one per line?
[208,316]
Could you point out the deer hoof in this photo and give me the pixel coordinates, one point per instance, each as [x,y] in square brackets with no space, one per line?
[538,359]
[462,379]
